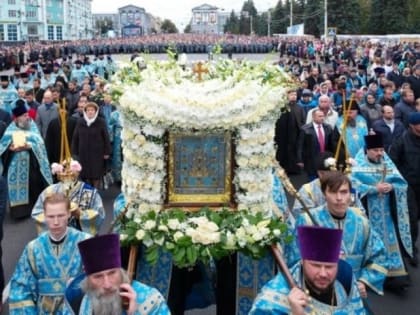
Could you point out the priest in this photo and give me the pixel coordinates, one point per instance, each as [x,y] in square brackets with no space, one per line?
[384,193]
[323,283]
[24,162]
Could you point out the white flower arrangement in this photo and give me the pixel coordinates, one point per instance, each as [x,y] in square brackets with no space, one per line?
[244,98]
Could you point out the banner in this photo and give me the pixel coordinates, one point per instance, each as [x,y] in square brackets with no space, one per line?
[297,29]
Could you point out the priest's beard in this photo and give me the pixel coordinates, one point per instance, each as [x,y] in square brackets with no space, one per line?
[23,124]
[105,304]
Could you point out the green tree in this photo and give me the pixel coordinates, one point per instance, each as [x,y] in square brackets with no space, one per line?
[344,15]
[168,27]
[313,19]
[248,17]
[232,24]
[279,19]
[395,15]
[413,18]
[187,28]
[103,26]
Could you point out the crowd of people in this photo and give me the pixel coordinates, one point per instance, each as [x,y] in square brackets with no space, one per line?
[356,111]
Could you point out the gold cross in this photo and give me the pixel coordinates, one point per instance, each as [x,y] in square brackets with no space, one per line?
[199,69]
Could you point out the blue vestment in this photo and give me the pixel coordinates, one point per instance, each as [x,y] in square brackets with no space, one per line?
[361,247]
[38,283]
[273,297]
[365,176]
[7,97]
[115,128]
[354,136]
[19,166]
[84,196]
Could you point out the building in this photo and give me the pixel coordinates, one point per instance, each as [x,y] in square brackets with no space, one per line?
[208,19]
[112,18]
[22,20]
[134,21]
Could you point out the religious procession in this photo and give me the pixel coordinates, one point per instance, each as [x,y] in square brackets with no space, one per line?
[205,156]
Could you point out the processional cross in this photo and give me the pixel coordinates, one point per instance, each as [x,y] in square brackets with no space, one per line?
[199,69]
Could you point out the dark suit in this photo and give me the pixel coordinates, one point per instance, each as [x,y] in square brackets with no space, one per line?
[388,136]
[309,147]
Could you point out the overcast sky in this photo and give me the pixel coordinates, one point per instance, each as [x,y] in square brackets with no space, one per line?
[179,11]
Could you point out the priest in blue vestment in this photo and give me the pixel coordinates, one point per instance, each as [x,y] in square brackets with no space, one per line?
[106,286]
[361,247]
[355,129]
[323,283]
[24,162]
[384,192]
[8,94]
[47,263]
[87,209]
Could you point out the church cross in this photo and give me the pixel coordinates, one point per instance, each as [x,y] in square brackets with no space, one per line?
[199,69]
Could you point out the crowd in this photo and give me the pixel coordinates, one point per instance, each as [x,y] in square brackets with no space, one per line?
[356,110]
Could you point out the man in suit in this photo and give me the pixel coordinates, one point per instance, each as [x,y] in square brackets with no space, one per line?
[314,138]
[390,128]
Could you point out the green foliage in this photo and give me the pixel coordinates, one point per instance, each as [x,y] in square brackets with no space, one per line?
[203,235]
[168,27]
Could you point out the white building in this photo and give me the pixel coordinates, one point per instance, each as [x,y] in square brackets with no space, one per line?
[22,20]
[208,19]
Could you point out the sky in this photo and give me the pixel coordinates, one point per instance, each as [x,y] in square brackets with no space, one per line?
[178,11]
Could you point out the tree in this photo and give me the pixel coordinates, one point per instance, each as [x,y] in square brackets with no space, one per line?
[104,25]
[187,28]
[248,17]
[344,15]
[395,14]
[232,24]
[279,19]
[168,27]
[314,10]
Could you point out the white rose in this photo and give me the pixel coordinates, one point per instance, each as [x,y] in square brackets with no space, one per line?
[140,234]
[276,232]
[163,228]
[173,224]
[123,237]
[160,241]
[149,224]
[257,236]
[178,235]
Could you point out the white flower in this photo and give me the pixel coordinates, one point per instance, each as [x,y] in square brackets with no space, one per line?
[178,235]
[330,162]
[149,224]
[163,228]
[173,224]
[276,232]
[159,241]
[123,237]
[140,234]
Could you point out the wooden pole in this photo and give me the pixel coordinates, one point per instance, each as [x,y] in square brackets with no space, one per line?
[132,260]
[282,265]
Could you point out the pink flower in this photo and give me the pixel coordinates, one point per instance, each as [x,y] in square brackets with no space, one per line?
[75,166]
[57,168]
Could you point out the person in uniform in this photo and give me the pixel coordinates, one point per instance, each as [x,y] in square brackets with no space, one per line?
[323,283]
[38,283]
[106,286]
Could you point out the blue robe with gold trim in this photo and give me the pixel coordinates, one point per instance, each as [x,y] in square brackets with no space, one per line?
[365,176]
[273,298]
[85,196]
[19,167]
[361,247]
[354,136]
[37,286]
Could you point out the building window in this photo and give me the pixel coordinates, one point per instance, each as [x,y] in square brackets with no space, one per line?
[31,14]
[59,32]
[11,2]
[12,32]
[50,30]
[32,30]
[12,13]
[1,32]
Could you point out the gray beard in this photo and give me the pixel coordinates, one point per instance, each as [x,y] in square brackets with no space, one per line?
[24,125]
[106,305]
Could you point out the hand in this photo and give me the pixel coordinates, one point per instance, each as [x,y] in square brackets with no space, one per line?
[13,148]
[126,291]
[384,188]
[362,289]
[298,300]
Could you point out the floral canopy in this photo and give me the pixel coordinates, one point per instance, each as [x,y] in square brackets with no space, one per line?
[243,97]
